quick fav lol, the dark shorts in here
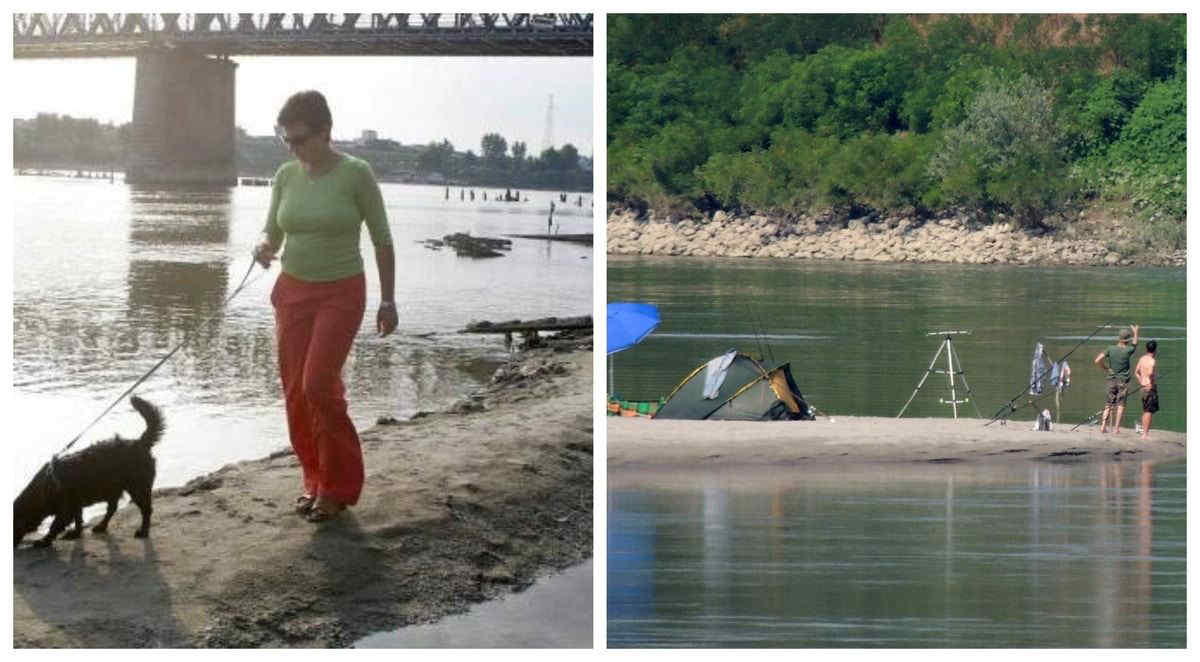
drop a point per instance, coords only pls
(1117, 392)
(1150, 401)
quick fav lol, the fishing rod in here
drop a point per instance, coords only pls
(1008, 408)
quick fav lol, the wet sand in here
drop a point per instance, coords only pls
(640, 443)
(459, 507)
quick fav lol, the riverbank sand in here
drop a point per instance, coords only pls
(459, 507)
(635, 443)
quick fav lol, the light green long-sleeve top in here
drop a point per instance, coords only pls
(321, 219)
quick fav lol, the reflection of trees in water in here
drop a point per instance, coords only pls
(1063, 555)
(82, 349)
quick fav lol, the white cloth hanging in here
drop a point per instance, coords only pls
(714, 374)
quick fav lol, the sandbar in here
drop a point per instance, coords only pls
(638, 442)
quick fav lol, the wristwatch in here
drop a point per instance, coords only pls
(387, 304)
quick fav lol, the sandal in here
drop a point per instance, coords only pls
(304, 504)
(320, 514)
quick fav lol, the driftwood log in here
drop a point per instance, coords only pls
(585, 238)
(529, 328)
(465, 245)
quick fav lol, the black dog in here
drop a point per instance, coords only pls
(101, 472)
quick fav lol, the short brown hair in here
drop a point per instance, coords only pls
(308, 107)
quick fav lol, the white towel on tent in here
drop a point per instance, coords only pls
(714, 374)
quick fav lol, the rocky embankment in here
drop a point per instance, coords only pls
(951, 240)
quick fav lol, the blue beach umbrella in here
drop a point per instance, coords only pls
(628, 324)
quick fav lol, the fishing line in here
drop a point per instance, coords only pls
(246, 280)
(754, 324)
(763, 336)
(1008, 409)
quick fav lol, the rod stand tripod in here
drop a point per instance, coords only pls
(953, 370)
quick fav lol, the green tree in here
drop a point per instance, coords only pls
(437, 157)
(1007, 154)
(518, 157)
(1152, 152)
(494, 147)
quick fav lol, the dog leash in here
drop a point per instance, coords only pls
(186, 339)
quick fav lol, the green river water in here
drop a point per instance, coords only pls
(855, 333)
(1021, 554)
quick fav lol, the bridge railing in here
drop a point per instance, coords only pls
(47, 26)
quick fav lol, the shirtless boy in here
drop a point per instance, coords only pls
(1146, 373)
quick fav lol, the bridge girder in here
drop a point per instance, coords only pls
(77, 35)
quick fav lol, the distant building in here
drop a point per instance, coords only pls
(368, 137)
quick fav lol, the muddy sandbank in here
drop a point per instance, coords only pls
(459, 507)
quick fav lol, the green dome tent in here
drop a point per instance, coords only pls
(745, 392)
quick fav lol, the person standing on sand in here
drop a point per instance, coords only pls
(1146, 373)
(319, 203)
(1117, 375)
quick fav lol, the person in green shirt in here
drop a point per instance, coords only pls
(319, 203)
(1115, 362)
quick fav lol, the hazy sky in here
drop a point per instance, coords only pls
(409, 99)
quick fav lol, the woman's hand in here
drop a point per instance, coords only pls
(387, 318)
(264, 253)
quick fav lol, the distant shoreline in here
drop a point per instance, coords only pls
(95, 172)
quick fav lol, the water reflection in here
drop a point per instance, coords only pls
(107, 279)
(1031, 556)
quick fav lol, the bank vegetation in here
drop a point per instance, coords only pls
(1034, 121)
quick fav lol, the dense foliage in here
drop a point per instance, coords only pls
(1026, 116)
(65, 142)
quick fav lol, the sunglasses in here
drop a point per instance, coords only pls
(291, 141)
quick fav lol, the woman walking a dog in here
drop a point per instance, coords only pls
(319, 202)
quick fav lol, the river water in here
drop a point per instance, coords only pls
(108, 278)
(855, 333)
(1020, 555)
(1033, 555)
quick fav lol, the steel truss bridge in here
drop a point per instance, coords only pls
(125, 35)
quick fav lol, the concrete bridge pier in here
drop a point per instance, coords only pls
(183, 120)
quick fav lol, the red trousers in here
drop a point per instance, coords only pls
(315, 325)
